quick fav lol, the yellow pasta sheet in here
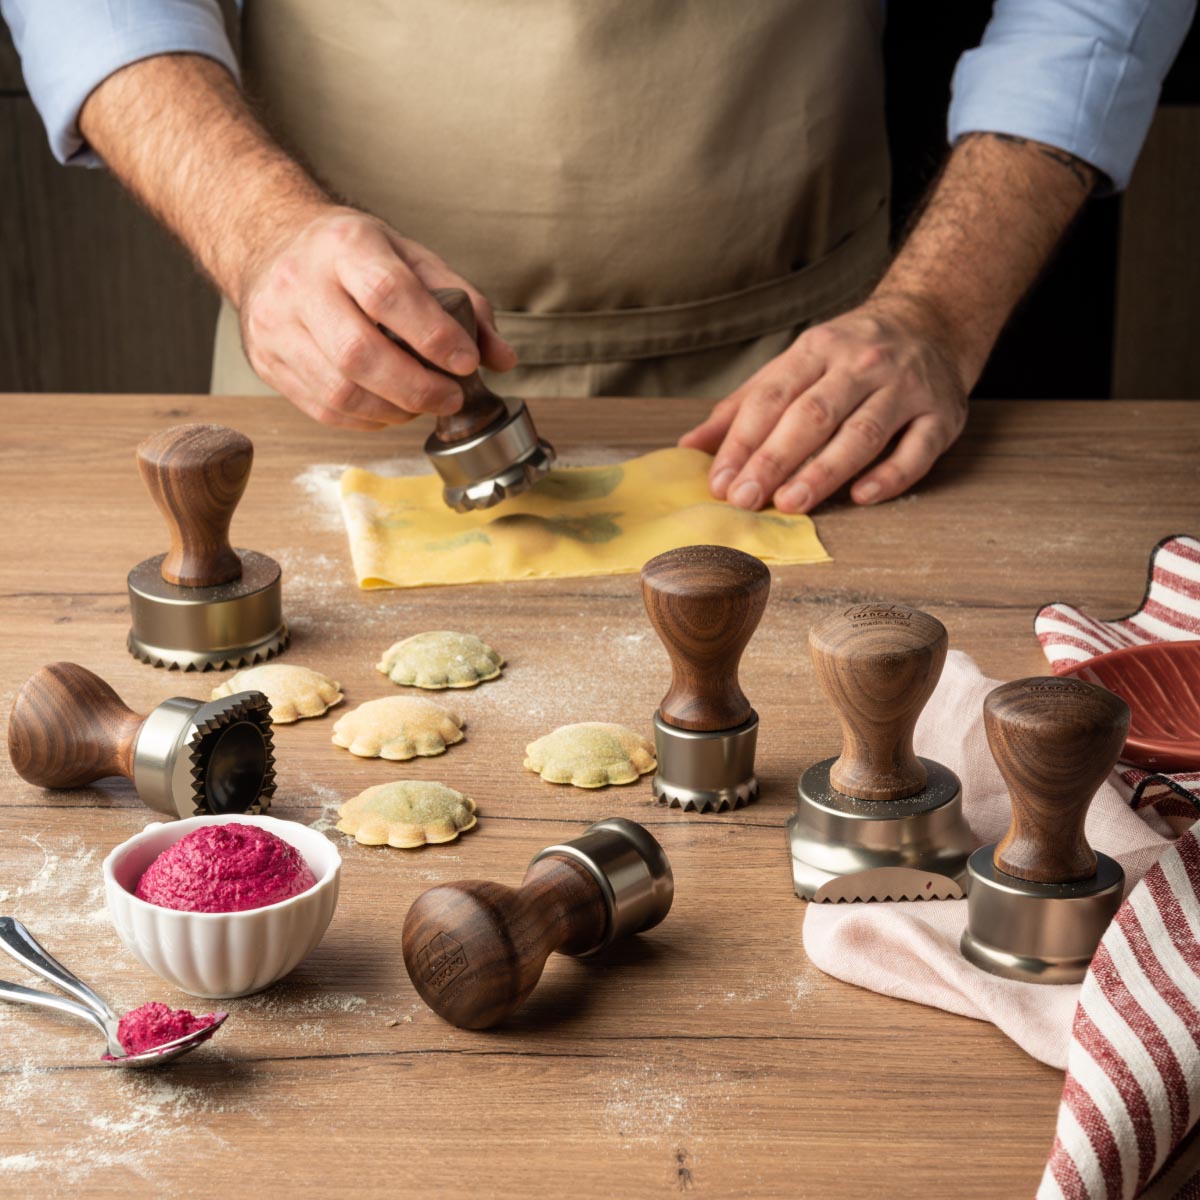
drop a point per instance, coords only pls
(605, 520)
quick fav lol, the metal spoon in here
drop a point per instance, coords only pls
(17, 942)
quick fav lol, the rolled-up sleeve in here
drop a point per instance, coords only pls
(1082, 75)
(69, 47)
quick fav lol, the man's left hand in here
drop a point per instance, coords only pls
(830, 405)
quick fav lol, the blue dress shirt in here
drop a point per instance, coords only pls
(1082, 75)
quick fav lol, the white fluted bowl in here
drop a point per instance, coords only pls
(221, 955)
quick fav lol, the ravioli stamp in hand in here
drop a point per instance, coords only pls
(592, 754)
(441, 659)
(407, 814)
(294, 692)
(398, 728)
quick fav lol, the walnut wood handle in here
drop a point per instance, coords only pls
(1055, 741)
(197, 474)
(475, 950)
(69, 728)
(878, 664)
(481, 406)
(705, 603)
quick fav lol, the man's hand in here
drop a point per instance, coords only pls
(900, 365)
(312, 280)
(828, 407)
(310, 308)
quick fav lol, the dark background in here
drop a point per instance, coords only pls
(93, 297)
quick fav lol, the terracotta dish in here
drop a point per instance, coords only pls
(1161, 684)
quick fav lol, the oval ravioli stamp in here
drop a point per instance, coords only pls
(441, 659)
(294, 692)
(592, 754)
(407, 814)
(398, 728)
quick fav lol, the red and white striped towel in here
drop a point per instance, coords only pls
(1169, 611)
(1132, 1093)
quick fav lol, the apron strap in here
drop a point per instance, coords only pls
(814, 292)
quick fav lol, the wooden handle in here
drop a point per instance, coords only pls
(69, 728)
(197, 474)
(705, 603)
(475, 950)
(1055, 741)
(878, 664)
(481, 406)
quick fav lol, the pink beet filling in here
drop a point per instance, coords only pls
(155, 1025)
(225, 868)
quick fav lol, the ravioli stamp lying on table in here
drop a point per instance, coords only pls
(441, 659)
(592, 754)
(398, 728)
(407, 814)
(294, 692)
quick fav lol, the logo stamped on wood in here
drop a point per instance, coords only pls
(879, 614)
(440, 960)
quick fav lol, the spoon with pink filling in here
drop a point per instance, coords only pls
(147, 1036)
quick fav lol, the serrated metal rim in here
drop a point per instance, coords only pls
(716, 804)
(252, 706)
(238, 657)
(944, 888)
(514, 480)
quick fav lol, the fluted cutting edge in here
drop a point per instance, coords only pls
(512, 481)
(888, 883)
(190, 660)
(243, 706)
(712, 803)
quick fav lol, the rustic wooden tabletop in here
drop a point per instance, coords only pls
(708, 1056)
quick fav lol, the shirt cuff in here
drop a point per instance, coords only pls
(1091, 99)
(61, 72)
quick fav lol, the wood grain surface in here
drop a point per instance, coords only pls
(68, 728)
(475, 949)
(1055, 741)
(878, 664)
(707, 1057)
(196, 475)
(705, 602)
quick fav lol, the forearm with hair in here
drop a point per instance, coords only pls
(991, 221)
(177, 132)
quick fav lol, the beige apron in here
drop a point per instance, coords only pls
(656, 195)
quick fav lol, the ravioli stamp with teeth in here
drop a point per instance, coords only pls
(202, 605)
(187, 758)
(877, 822)
(488, 450)
(705, 603)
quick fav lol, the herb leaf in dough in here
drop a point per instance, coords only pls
(441, 659)
(407, 814)
(398, 728)
(294, 692)
(592, 754)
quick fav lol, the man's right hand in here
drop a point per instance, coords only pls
(310, 310)
(313, 280)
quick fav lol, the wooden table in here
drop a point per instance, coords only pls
(707, 1057)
